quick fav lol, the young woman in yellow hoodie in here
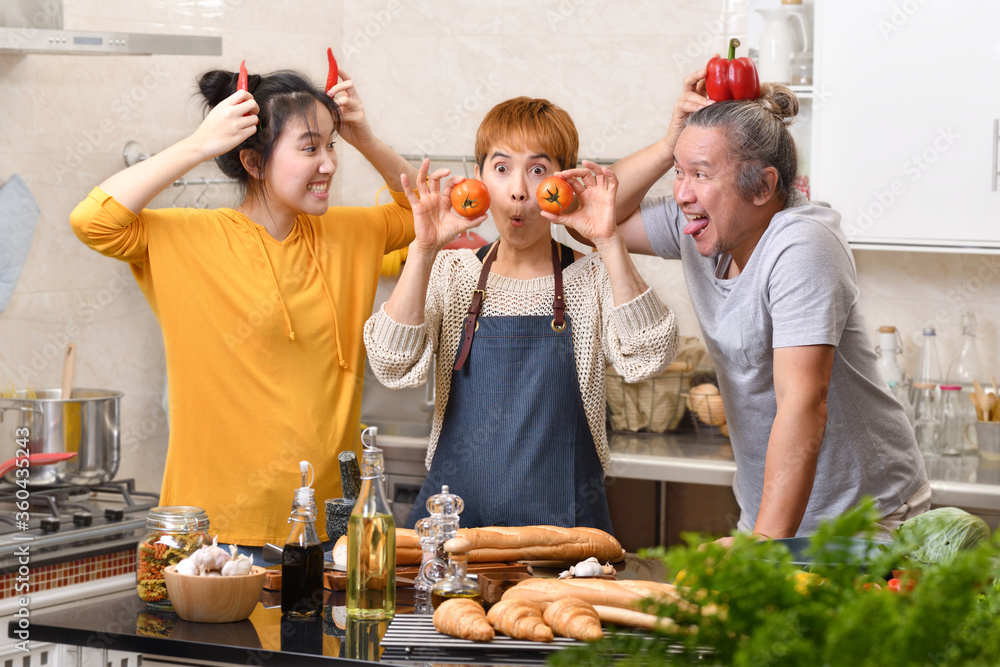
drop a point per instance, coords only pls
(261, 305)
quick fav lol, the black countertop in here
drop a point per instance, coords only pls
(125, 623)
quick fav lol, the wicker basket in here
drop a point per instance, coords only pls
(655, 404)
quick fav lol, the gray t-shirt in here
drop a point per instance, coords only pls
(799, 287)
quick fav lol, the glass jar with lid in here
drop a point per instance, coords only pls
(172, 534)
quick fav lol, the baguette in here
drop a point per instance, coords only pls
(634, 619)
(506, 544)
(463, 618)
(623, 594)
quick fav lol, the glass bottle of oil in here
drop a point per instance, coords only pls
(302, 555)
(371, 542)
(456, 583)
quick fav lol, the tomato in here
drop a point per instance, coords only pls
(470, 198)
(897, 585)
(554, 194)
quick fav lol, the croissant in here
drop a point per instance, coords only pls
(574, 618)
(520, 619)
(463, 618)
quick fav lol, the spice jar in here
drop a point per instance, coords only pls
(172, 534)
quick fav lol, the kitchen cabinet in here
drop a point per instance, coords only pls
(803, 128)
(906, 114)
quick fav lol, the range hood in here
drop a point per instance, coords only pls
(36, 26)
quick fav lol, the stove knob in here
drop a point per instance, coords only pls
(114, 514)
(50, 524)
(81, 519)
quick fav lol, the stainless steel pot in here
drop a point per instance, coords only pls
(87, 423)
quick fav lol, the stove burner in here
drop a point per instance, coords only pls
(105, 517)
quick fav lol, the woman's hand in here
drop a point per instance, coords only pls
(354, 127)
(434, 222)
(595, 188)
(226, 126)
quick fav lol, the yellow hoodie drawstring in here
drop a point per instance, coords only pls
(329, 301)
(274, 280)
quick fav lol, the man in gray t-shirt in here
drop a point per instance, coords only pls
(772, 280)
(798, 288)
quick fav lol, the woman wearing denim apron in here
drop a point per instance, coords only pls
(522, 330)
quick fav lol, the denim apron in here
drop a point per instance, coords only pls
(515, 443)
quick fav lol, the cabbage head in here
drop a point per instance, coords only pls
(942, 532)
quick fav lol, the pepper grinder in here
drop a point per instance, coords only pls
(443, 509)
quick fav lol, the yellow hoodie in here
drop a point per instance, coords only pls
(265, 359)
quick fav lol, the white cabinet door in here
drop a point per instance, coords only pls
(909, 91)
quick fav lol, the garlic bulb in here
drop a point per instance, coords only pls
(186, 566)
(587, 568)
(238, 564)
(210, 558)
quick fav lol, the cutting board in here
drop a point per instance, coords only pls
(335, 580)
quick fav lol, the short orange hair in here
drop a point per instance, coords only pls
(525, 121)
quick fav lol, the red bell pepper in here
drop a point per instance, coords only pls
(733, 78)
(241, 82)
(331, 77)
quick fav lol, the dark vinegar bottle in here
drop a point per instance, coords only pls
(302, 557)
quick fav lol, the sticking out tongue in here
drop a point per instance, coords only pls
(695, 226)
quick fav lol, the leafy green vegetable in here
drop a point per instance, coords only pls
(942, 532)
(757, 608)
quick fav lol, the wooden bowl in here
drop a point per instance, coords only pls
(214, 599)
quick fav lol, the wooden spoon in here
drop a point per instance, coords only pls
(991, 413)
(981, 397)
(979, 409)
(69, 366)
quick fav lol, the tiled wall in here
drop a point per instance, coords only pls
(427, 72)
(75, 572)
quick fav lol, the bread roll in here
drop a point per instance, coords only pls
(573, 618)
(463, 618)
(520, 619)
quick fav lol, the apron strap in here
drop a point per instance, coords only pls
(558, 303)
(477, 301)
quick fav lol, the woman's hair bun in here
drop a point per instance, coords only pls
(779, 100)
(216, 85)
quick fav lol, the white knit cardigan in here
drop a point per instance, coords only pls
(639, 337)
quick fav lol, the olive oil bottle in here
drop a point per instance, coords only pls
(371, 543)
(456, 584)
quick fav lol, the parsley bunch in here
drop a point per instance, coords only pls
(753, 606)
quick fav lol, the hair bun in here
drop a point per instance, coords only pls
(779, 100)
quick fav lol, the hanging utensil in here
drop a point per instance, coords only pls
(69, 367)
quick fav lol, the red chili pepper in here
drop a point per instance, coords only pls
(241, 83)
(331, 77)
(732, 78)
